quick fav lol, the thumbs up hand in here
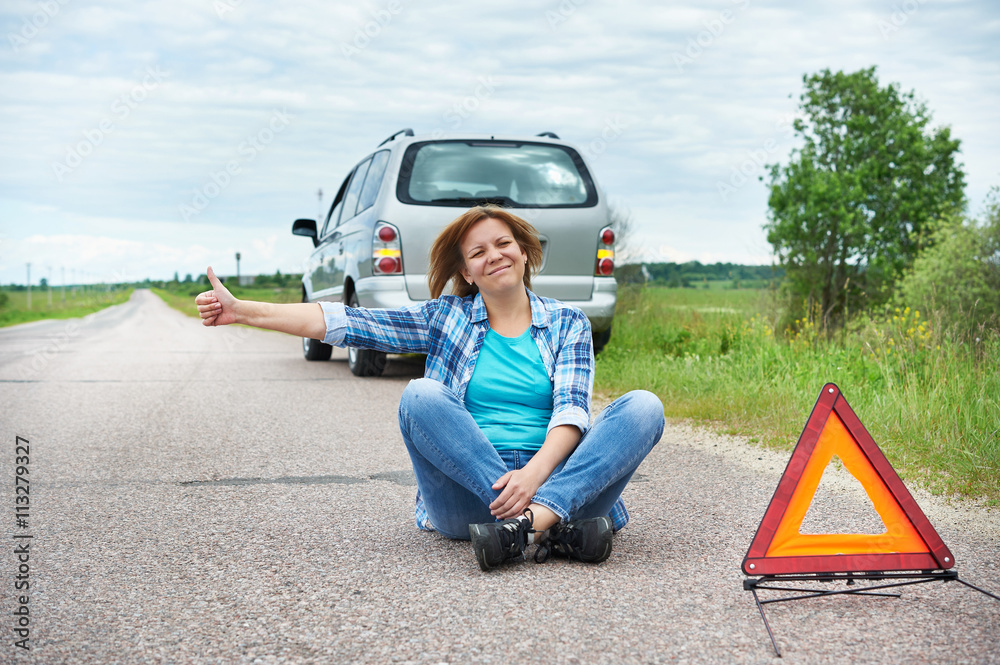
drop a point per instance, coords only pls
(218, 306)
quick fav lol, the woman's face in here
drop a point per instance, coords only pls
(493, 260)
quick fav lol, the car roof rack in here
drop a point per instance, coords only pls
(404, 132)
(551, 135)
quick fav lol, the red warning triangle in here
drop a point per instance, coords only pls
(909, 541)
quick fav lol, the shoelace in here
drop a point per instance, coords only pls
(514, 535)
(561, 540)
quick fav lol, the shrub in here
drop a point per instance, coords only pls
(958, 275)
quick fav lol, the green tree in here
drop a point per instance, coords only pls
(859, 199)
(958, 276)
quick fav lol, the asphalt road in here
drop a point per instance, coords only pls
(209, 496)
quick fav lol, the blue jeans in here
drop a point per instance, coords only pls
(456, 466)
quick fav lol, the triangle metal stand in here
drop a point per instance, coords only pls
(765, 582)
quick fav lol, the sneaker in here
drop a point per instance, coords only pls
(584, 540)
(497, 542)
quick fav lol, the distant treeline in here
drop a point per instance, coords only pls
(277, 280)
(690, 274)
(694, 273)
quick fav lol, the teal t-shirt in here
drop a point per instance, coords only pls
(510, 394)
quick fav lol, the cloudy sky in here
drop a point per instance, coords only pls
(120, 118)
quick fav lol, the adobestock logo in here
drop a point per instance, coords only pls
(121, 108)
(31, 26)
(756, 160)
(561, 14)
(223, 7)
(248, 149)
(55, 345)
(612, 131)
(714, 28)
(899, 17)
(366, 32)
(464, 108)
(461, 110)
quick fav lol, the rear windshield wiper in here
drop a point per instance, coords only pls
(476, 200)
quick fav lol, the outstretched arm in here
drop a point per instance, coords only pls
(218, 307)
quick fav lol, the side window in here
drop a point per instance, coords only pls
(354, 191)
(334, 215)
(375, 172)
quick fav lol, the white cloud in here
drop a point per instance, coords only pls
(564, 67)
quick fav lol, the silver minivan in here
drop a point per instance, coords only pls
(372, 248)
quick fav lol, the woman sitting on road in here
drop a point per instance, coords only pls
(499, 429)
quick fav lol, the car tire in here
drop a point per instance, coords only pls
(601, 339)
(313, 349)
(364, 362)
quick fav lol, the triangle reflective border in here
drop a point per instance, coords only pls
(909, 541)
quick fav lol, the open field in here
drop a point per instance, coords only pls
(181, 296)
(930, 400)
(78, 302)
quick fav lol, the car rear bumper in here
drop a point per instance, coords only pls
(600, 309)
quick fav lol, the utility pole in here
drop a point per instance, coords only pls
(29, 286)
(319, 209)
(237, 268)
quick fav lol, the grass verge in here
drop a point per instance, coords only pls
(181, 297)
(930, 399)
(14, 308)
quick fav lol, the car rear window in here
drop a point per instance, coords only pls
(515, 174)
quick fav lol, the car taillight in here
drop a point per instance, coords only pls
(386, 233)
(605, 253)
(388, 265)
(387, 251)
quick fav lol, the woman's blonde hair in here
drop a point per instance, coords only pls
(447, 261)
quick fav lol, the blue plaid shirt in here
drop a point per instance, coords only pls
(451, 330)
